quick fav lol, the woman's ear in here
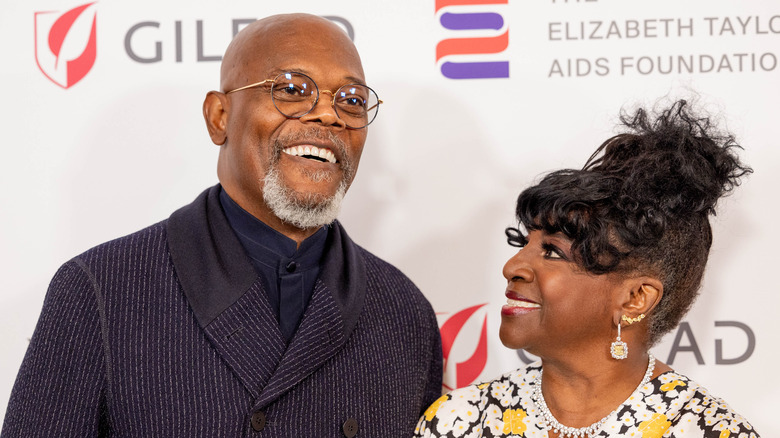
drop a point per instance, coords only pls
(215, 113)
(644, 294)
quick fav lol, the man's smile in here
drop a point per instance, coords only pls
(311, 152)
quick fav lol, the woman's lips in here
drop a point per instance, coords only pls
(517, 305)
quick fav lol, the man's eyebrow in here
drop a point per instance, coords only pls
(347, 79)
(355, 80)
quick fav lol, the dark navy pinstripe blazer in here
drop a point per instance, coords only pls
(167, 333)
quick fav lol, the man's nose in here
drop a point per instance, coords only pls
(324, 112)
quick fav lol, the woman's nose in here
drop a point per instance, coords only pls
(518, 269)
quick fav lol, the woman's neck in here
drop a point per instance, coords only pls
(579, 393)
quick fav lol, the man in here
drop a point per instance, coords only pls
(249, 312)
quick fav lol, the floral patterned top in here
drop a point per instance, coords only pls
(670, 405)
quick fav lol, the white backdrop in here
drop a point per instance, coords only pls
(126, 145)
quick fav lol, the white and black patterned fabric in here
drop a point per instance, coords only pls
(671, 405)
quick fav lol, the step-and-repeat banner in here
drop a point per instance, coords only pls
(102, 134)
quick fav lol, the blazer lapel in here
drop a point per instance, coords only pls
(247, 337)
(223, 290)
(228, 300)
(329, 319)
(320, 335)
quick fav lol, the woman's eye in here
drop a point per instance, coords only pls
(552, 252)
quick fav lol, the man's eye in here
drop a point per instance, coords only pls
(353, 106)
(353, 103)
(290, 90)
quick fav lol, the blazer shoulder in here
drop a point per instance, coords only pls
(378, 267)
(146, 242)
(388, 284)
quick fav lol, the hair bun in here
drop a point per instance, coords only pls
(674, 163)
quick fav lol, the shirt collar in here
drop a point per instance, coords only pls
(214, 270)
(269, 246)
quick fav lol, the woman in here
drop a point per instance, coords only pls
(611, 259)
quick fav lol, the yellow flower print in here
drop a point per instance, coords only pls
(725, 434)
(484, 385)
(654, 427)
(434, 407)
(671, 385)
(513, 421)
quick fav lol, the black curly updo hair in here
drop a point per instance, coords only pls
(642, 203)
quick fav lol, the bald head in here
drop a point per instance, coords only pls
(265, 161)
(265, 42)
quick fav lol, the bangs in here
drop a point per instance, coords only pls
(565, 201)
(577, 204)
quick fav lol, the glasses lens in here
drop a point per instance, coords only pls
(356, 104)
(294, 94)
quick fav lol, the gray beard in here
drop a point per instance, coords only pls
(301, 210)
(304, 210)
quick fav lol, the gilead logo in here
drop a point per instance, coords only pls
(460, 373)
(484, 33)
(66, 44)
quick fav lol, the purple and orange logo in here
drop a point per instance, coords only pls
(488, 23)
(66, 44)
(464, 372)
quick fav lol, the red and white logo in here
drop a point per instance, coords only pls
(66, 44)
(458, 337)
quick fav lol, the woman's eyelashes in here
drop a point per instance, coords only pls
(553, 252)
(515, 238)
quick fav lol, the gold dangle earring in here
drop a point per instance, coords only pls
(619, 349)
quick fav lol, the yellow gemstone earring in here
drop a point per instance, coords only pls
(619, 349)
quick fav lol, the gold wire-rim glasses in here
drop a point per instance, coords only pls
(368, 116)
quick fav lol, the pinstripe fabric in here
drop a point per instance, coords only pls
(119, 351)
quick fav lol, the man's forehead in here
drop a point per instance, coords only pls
(296, 42)
(293, 67)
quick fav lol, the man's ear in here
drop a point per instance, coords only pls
(644, 294)
(215, 113)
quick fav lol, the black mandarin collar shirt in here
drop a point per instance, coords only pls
(288, 271)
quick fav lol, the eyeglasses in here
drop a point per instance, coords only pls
(295, 95)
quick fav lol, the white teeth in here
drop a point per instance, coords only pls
(524, 304)
(299, 151)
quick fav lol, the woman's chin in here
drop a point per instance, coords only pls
(509, 338)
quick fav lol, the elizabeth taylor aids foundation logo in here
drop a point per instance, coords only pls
(66, 43)
(477, 48)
